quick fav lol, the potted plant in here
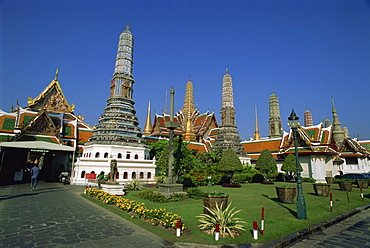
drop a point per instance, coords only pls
(345, 184)
(321, 189)
(286, 194)
(329, 180)
(362, 183)
(210, 200)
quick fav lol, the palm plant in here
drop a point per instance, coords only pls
(228, 223)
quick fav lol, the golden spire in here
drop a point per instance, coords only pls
(189, 134)
(56, 75)
(148, 124)
(189, 101)
(256, 132)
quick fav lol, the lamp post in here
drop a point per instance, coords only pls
(301, 204)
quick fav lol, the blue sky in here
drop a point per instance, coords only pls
(305, 51)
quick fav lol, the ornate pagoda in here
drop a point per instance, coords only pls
(118, 136)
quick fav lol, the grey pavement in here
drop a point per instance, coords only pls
(55, 215)
(351, 232)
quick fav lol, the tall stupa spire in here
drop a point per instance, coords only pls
(122, 81)
(228, 136)
(275, 125)
(308, 118)
(118, 125)
(188, 110)
(338, 132)
(256, 132)
(148, 123)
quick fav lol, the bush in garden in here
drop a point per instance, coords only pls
(151, 196)
(194, 193)
(228, 223)
(186, 181)
(258, 178)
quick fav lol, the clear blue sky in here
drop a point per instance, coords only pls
(305, 51)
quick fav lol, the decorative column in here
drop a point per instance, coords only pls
(170, 186)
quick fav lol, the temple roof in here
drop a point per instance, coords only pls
(51, 99)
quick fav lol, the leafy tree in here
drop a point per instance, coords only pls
(156, 148)
(266, 164)
(229, 163)
(184, 159)
(289, 165)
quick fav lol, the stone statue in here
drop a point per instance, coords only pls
(113, 171)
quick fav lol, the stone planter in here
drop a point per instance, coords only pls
(210, 201)
(329, 180)
(345, 185)
(286, 194)
(113, 189)
(362, 183)
(321, 189)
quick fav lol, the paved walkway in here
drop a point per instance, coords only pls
(54, 215)
(351, 232)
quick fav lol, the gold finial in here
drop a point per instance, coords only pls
(227, 71)
(56, 75)
(128, 27)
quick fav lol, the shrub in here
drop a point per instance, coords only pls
(231, 185)
(186, 181)
(228, 223)
(151, 196)
(258, 178)
(177, 197)
(133, 185)
(308, 180)
(194, 193)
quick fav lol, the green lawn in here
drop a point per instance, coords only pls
(280, 219)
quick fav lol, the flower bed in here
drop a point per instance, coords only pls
(137, 209)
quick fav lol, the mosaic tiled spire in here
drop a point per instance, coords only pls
(228, 136)
(274, 119)
(118, 125)
(308, 118)
(256, 132)
(188, 110)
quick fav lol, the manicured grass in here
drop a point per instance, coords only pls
(280, 219)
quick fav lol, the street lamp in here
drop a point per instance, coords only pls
(301, 204)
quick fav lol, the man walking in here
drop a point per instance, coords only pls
(35, 171)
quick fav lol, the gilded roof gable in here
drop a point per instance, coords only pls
(51, 99)
(41, 124)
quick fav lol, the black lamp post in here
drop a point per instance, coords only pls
(301, 204)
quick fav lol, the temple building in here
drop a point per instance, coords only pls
(118, 136)
(46, 132)
(323, 151)
(199, 130)
(228, 136)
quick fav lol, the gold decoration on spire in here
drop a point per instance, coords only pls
(256, 132)
(148, 124)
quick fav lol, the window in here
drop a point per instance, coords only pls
(128, 156)
(149, 175)
(141, 175)
(119, 155)
(106, 155)
(351, 160)
(136, 156)
(97, 155)
(117, 175)
(125, 175)
(83, 174)
(133, 175)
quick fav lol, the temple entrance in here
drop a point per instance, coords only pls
(15, 164)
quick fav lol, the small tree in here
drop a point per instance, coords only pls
(289, 166)
(229, 163)
(266, 164)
